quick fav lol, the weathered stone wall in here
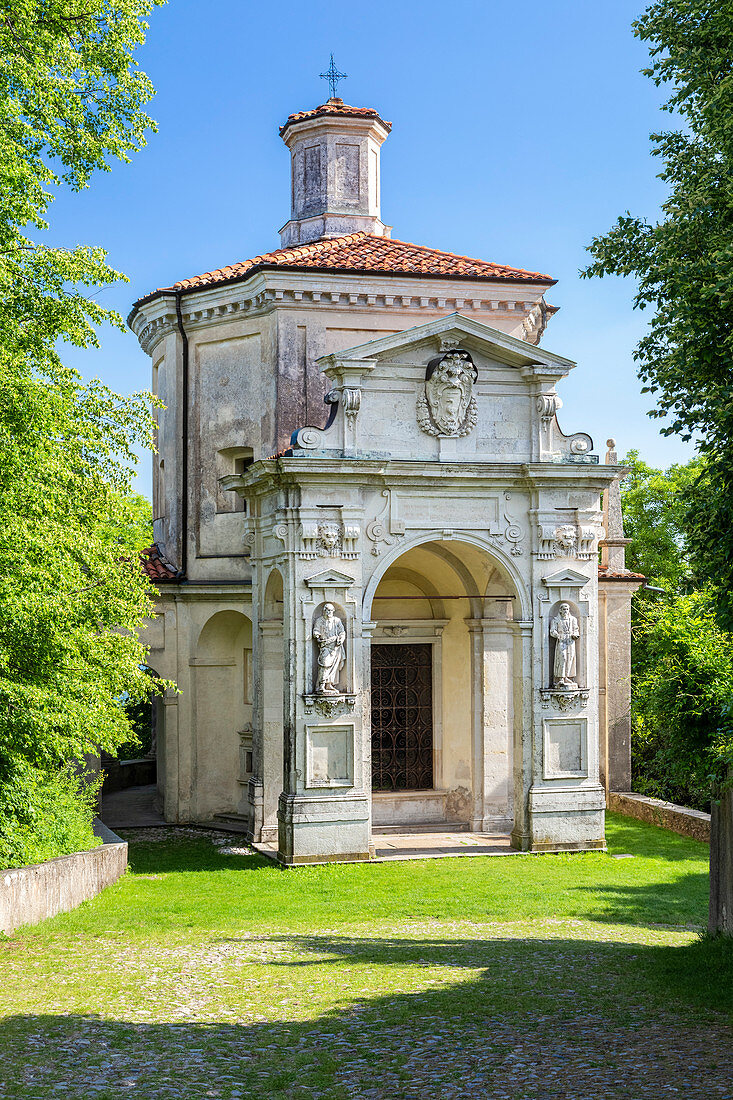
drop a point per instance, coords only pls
(667, 815)
(30, 894)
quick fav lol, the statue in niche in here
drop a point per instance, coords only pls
(564, 629)
(448, 406)
(330, 635)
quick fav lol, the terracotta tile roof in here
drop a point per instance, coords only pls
(362, 253)
(157, 568)
(625, 575)
(340, 109)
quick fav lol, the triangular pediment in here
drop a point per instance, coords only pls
(566, 578)
(470, 333)
(330, 578)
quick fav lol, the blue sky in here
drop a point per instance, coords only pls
(519, 133)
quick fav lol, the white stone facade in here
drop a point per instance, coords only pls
(441, 511)
(460, 522)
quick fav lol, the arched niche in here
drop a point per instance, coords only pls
(273, 598)
(222, 704)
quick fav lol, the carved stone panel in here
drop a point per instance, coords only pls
(565, 754)
(330, 756)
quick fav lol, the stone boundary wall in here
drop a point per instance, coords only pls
(679, 819)
(30, 894)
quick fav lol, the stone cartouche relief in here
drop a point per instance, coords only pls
(330, 636)
(512, 533)
(564, 701)
(329, 705)
(381, 530)
(447, 406)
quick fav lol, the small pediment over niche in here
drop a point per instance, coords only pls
(566, 578)
(330, 578)
(452, 329)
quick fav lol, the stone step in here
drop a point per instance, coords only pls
(235, 823)
(423, 827)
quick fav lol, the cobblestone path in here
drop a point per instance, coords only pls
(532, 1010)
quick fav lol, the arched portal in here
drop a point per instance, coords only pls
(445, 672)
(222, 701)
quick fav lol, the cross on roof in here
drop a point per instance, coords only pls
(332, 75)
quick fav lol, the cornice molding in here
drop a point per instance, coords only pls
(157, 319)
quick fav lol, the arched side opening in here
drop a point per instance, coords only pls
(222, 712)
(443, 688)
(135, 763)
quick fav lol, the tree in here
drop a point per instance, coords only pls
(655, 514)
(683, 263)
(675, 637)
(71, 590)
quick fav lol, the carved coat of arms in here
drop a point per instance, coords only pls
(447, 405)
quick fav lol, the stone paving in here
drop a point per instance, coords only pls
(131, 808)
(426, 1009)
(421, 844)
(135, 808)
(421, 1010)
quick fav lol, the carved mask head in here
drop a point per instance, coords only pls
(565, 536)
(329, 536)
(448, 391)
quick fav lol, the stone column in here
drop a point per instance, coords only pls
(183, 782)
(523, 743)
(492, 659)
(269, 771)
(614, 614)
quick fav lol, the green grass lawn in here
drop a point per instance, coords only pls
(522, 977)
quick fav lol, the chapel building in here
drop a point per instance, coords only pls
(376, 552)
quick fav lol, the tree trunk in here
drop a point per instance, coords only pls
(721, 867)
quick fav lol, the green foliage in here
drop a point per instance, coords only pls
(654, 510)
(681, 659)
(44, 813)
(684, 262)
(683, 727)
(71, 591)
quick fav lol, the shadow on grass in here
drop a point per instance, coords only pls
(626, 834)
(541, 1019)
(665, 903)
(190, 854)
(697, 975)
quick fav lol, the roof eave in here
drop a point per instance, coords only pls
(382, 273)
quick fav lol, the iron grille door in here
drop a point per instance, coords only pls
(402, 717)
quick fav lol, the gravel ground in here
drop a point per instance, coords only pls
(532, 1010)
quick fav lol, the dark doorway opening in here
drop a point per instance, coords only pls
(402, 717)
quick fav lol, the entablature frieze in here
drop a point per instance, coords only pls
(265, 292)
